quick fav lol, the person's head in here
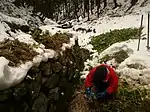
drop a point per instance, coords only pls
(100, 75)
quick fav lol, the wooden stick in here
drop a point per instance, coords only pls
(140, 29)
(148, 33)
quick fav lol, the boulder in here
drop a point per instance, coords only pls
(25, 28)
(32, 72)
(63, 60)
(40, 104)
(52, 81)
(5, 95)
(24, 107)
(64, 71)
(61, 104)
(35, 86)
(69, 92)
(21, 106)
(71, 73)
(46, 68)
(52, 108)
(54, 94)
(56, 67)
(63, 83)
(20, 91)
(7, 107)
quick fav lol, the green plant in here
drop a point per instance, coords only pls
(103, 41)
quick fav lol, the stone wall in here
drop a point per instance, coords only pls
(48, 87)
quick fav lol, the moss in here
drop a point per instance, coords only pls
(16, 52)
(106, 58)
(103, 41)
(51, 42)
(119, 56)
(136, 66)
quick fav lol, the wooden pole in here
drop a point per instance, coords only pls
(148, 33)
(140, 29)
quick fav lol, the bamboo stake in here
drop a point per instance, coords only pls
(140, 29)
(148, 33)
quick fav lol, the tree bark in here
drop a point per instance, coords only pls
(88, 10)
(92, 6)
(105, 3)
(98, 6)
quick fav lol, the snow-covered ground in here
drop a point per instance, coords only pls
(12, 75)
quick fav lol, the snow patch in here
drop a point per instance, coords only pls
(26, 38)
(11, 76)
(134, 76)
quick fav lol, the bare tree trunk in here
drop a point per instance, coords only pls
(84, 7)
(76, 8)
(92, 6)
(105, 3)
(66, 7)
(88, 10)
(98, 6)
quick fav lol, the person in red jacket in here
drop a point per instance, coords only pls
(104, 80)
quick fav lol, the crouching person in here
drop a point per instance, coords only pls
(104, 80)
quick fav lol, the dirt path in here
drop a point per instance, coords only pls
(80, 104)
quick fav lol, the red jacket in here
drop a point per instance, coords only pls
(111, 77)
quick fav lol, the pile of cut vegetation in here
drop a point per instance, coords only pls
(16, 52)
(54, 42)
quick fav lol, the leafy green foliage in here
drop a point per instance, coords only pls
(103, 41)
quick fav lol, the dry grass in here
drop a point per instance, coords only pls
(126, 100)
(16, 52)
(79, 103)
(51, 42)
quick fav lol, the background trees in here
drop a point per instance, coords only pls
(65, 8)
